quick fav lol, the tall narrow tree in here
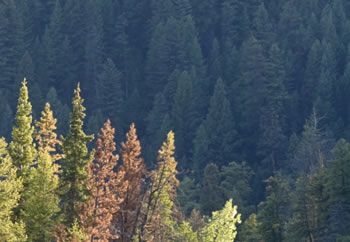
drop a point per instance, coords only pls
(107, 187)
(74, 175)
(134, 172)
(160, 224)
(21, 149)
(46, 136)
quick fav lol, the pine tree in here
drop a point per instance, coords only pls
(106, 189)
(46, 136)
(235, 183)
(72, 188)
(338, 191)
(40, 199)
(182, 113)
(222, 225)
(10, 189)
(111, 96)
(134, 175)
(211, 197)
(270, 216)
(262, 27)
(311, 78)
(9, 29)
(160, 222)
(61, 110)
(220, 128)
(303, 224)
(251, 86)
(22, 149)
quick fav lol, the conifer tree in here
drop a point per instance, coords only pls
(182, 112)
(61, 110)
(222, 225)
(46, 136)
(106, 189)
(220, 129)
(111, 95)
(40, 200)
(21, 149)
(134, 175)
(72, 188)
(211, 197)
(160, 224)
(303, 223)
(10, 189)
(271, 226)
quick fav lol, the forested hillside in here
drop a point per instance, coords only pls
(257, 94)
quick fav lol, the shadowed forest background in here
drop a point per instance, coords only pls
(256, 92)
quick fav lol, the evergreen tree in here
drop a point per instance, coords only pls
(10, 28)
(72, 188)
(302, 225)
(160, 223)
(6, 118)
(251, 86)
(311, 78)
(337, 187)
(40, 199)
(22, 149)
(61, 110)
(110, 100)
(220, 128)
(272, 140)
(46, 136)
(262, 27)
(25, 69)
(182, 111)
(106, 189)
(270, 216)
(249, 231)
(200, 148)
(236, 179)
(154, 121)
(222, 225)
(10, 189)
(128, 217)
(211, 197)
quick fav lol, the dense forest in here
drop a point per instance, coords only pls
(254, 95)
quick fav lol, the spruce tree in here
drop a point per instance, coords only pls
(72, 188)
(10, 190)
(22, 149)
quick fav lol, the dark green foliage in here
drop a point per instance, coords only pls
(235, 80)
(236, 180)
(271, 216)
(211, 195)
(72, 188)
(220, 130)
(110, 95)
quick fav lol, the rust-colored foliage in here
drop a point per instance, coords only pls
(134, 170)
(107, 188)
